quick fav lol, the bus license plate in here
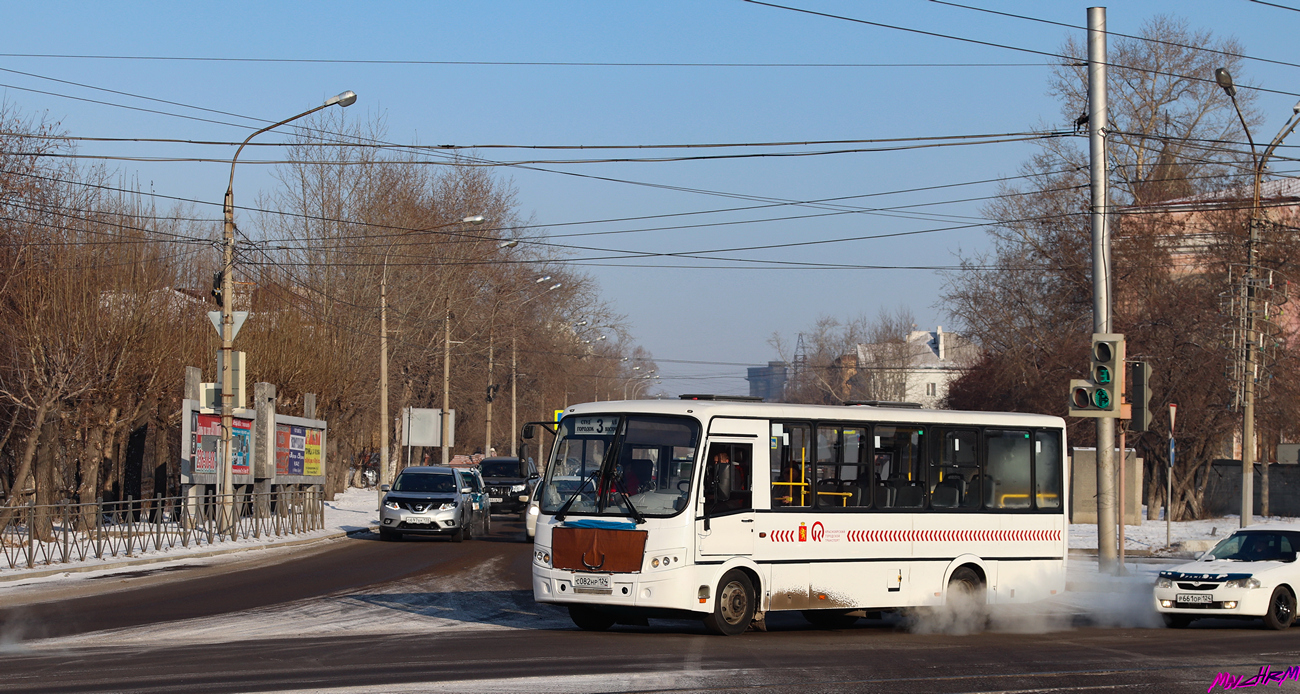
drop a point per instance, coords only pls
(590, 583)
(1194, 597)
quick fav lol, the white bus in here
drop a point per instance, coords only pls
(723, 509)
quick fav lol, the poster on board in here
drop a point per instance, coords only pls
(311, 464)
(205, 440)
(290, 446)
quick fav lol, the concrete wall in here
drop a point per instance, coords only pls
(1223, 490)
(1083, 487)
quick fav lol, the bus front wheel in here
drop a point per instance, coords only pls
(733, 606)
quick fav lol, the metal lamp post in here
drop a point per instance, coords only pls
(514, 368)
(383, 364)
(227, 316)
(1251, 341)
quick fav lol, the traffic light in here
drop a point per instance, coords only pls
(1108, 371)
(216, 287)
(1099, 395)
(1140, 396)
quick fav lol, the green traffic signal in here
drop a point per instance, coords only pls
(1101, 398)
(1102, 375)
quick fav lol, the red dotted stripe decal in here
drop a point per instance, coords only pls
(933, 535)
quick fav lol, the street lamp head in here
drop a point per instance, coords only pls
(474, 219)
(579, 324)
(1296, 109)
(345, 99)
(1224, 78)
(539, 280)
(557, 285)
(508, 244)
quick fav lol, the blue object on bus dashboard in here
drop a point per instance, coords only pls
(602, 524)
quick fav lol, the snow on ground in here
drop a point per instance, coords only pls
(351, 511)
(1150, 535)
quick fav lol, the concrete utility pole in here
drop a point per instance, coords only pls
(514, 399)
(383, 380)
(487, 438)
(228, 316)
(1253, 341)
(1098, 118)
(446, 383)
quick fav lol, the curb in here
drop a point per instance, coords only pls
(68, 568)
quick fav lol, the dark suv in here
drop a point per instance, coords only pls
(510, 483)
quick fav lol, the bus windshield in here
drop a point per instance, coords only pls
(603, 462)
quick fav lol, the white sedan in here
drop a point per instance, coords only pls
(1251, 574)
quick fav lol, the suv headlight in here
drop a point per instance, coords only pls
(518, 487)
(392, 505)
(1164, 582)
(447, 506)
(1248, 582)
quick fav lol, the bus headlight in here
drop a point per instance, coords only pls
(542, 557)
(533, 511)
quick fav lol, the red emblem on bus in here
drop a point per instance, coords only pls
(818, 531)
(803, 532)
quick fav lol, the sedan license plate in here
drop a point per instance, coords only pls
(413, 520)
(496, 499)
(592, 583)
(1194, 597)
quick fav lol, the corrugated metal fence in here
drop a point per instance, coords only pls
(32, 535)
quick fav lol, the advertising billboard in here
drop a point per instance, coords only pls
(297, 450)
(205, 442)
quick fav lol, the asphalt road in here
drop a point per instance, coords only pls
(367, 616)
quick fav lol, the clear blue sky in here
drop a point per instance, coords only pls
(713, 315)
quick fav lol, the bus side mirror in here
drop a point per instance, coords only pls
(528, 431)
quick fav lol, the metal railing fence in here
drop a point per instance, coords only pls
(34, 535)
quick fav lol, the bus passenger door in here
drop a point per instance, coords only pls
(724, 522)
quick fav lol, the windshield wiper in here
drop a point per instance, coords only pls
(559, 515)
(622, 489)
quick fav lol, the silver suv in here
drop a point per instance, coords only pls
(426, 501)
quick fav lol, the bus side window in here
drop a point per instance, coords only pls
(841, 478)
(954, 469)
(1007, 466)
(727, 478)
(900, 473)
(791, 467)
(1047, 469)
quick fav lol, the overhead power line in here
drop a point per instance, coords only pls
(992, 44)
(1066, 25)
(500, 63)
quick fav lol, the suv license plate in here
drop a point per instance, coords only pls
(496, 499)
(1194, 597)
(592, 583)
(418, 520)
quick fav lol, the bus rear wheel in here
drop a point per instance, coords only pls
(965, 587)
(733, 606)
(589, 618)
